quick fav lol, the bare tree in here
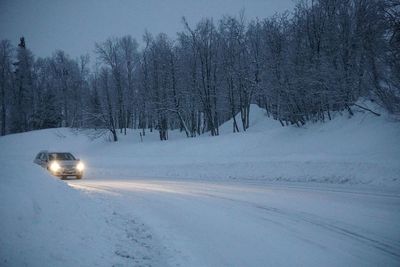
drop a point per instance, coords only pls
(204, 40)
(110, 54)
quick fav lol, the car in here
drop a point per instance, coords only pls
(60, 164)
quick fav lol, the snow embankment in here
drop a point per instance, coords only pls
(362, 149)
(44, 222)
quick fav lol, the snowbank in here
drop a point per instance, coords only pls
(363, 149)
(44, 222)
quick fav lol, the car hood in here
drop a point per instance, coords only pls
(68, 162)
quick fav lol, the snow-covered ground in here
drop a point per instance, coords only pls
(205, 223)
(327, 194)
(362, 150)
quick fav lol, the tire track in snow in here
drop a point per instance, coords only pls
(389, 247)
(384, 246)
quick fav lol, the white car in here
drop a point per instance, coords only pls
(61, 164)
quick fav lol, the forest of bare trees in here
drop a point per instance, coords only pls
(299, 66)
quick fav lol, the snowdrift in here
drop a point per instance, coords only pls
(44, 222)
(363, 149)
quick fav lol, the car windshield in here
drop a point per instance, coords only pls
(61, 156)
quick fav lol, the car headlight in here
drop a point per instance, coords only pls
(80, 166)
(54, 167)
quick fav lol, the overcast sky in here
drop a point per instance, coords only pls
(74, 26)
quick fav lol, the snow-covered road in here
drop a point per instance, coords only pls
(204, 223)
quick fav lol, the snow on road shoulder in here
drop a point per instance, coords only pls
(46, 222)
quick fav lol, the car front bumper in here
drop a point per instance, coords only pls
(67, 171)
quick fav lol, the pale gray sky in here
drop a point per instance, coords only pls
(74, 26)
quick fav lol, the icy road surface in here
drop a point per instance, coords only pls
(203, 223)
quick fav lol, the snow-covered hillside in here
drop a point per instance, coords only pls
(44, 220)
(363, 149)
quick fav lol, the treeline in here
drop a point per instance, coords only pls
(299, 66)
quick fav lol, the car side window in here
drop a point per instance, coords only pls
(43, 157)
